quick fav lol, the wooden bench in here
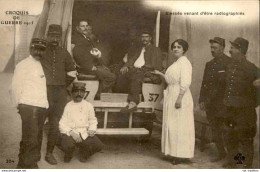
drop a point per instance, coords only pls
(107, 107)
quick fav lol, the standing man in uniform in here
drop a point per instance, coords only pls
(29, 93)
(56, 63)
(241, 100)
(212, 93)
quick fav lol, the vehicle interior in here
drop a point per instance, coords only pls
(111, 23)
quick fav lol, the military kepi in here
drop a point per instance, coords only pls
(241, 43)
(218, 40)
(39, 43)
(79, 86)
(55, 29)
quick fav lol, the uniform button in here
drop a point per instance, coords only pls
(228, 96)
(231, 80)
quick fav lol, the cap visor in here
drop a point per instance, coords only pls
(233, 43)
(212, 40)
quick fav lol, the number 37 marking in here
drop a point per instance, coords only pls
(87, 93)
(153, 97)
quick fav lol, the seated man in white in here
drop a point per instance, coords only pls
(78, 126)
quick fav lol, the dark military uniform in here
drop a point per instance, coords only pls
(56, 63)
(86, 61)
(212, 93)
(241, 99)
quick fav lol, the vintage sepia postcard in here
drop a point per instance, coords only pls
(129, 84)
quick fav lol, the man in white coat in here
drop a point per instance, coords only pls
(78, 126)
(29, 94)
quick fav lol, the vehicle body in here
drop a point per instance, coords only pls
(117, 22)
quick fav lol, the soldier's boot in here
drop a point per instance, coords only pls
(50, 159)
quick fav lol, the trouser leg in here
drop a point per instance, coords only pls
(216, 125)
(232, 142)
(247, 148)
(68, 145)
(136, 79)
(122, 84)
(106, 77)
(246, 131)
(40, 132)
(57, 101)
(242, 126)
(90, 146)
(29, 145)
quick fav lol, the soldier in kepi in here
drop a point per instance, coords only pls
(56, 63)
(212, 93)
(78, 126)
(240, 100)
(29, 93)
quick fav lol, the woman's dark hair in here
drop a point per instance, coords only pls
(183, 43)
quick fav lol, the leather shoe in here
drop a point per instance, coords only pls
(176, 162)
(131, 107)
(82, 159)
(50, 159)
(67, 158)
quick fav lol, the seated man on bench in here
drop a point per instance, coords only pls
(78, 126)
(89, 57)
(146, 59)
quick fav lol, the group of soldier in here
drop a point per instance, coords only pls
(227, 93)
(229, 96)
(40, 82)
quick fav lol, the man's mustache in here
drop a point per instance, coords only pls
(38, 54)
(54, 43)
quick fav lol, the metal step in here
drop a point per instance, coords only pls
(122, 131)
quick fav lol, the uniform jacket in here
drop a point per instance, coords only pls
(240, 91)
(56, 63)
(78, 117)
(152, 57)
(213, 84)
(29, 84)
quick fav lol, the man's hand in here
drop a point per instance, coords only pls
(75, 136)
(91, 133)
(96, 52)
(202, 106)
(256, 83)
(94, 68)
(157, 72)
(124, 70)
